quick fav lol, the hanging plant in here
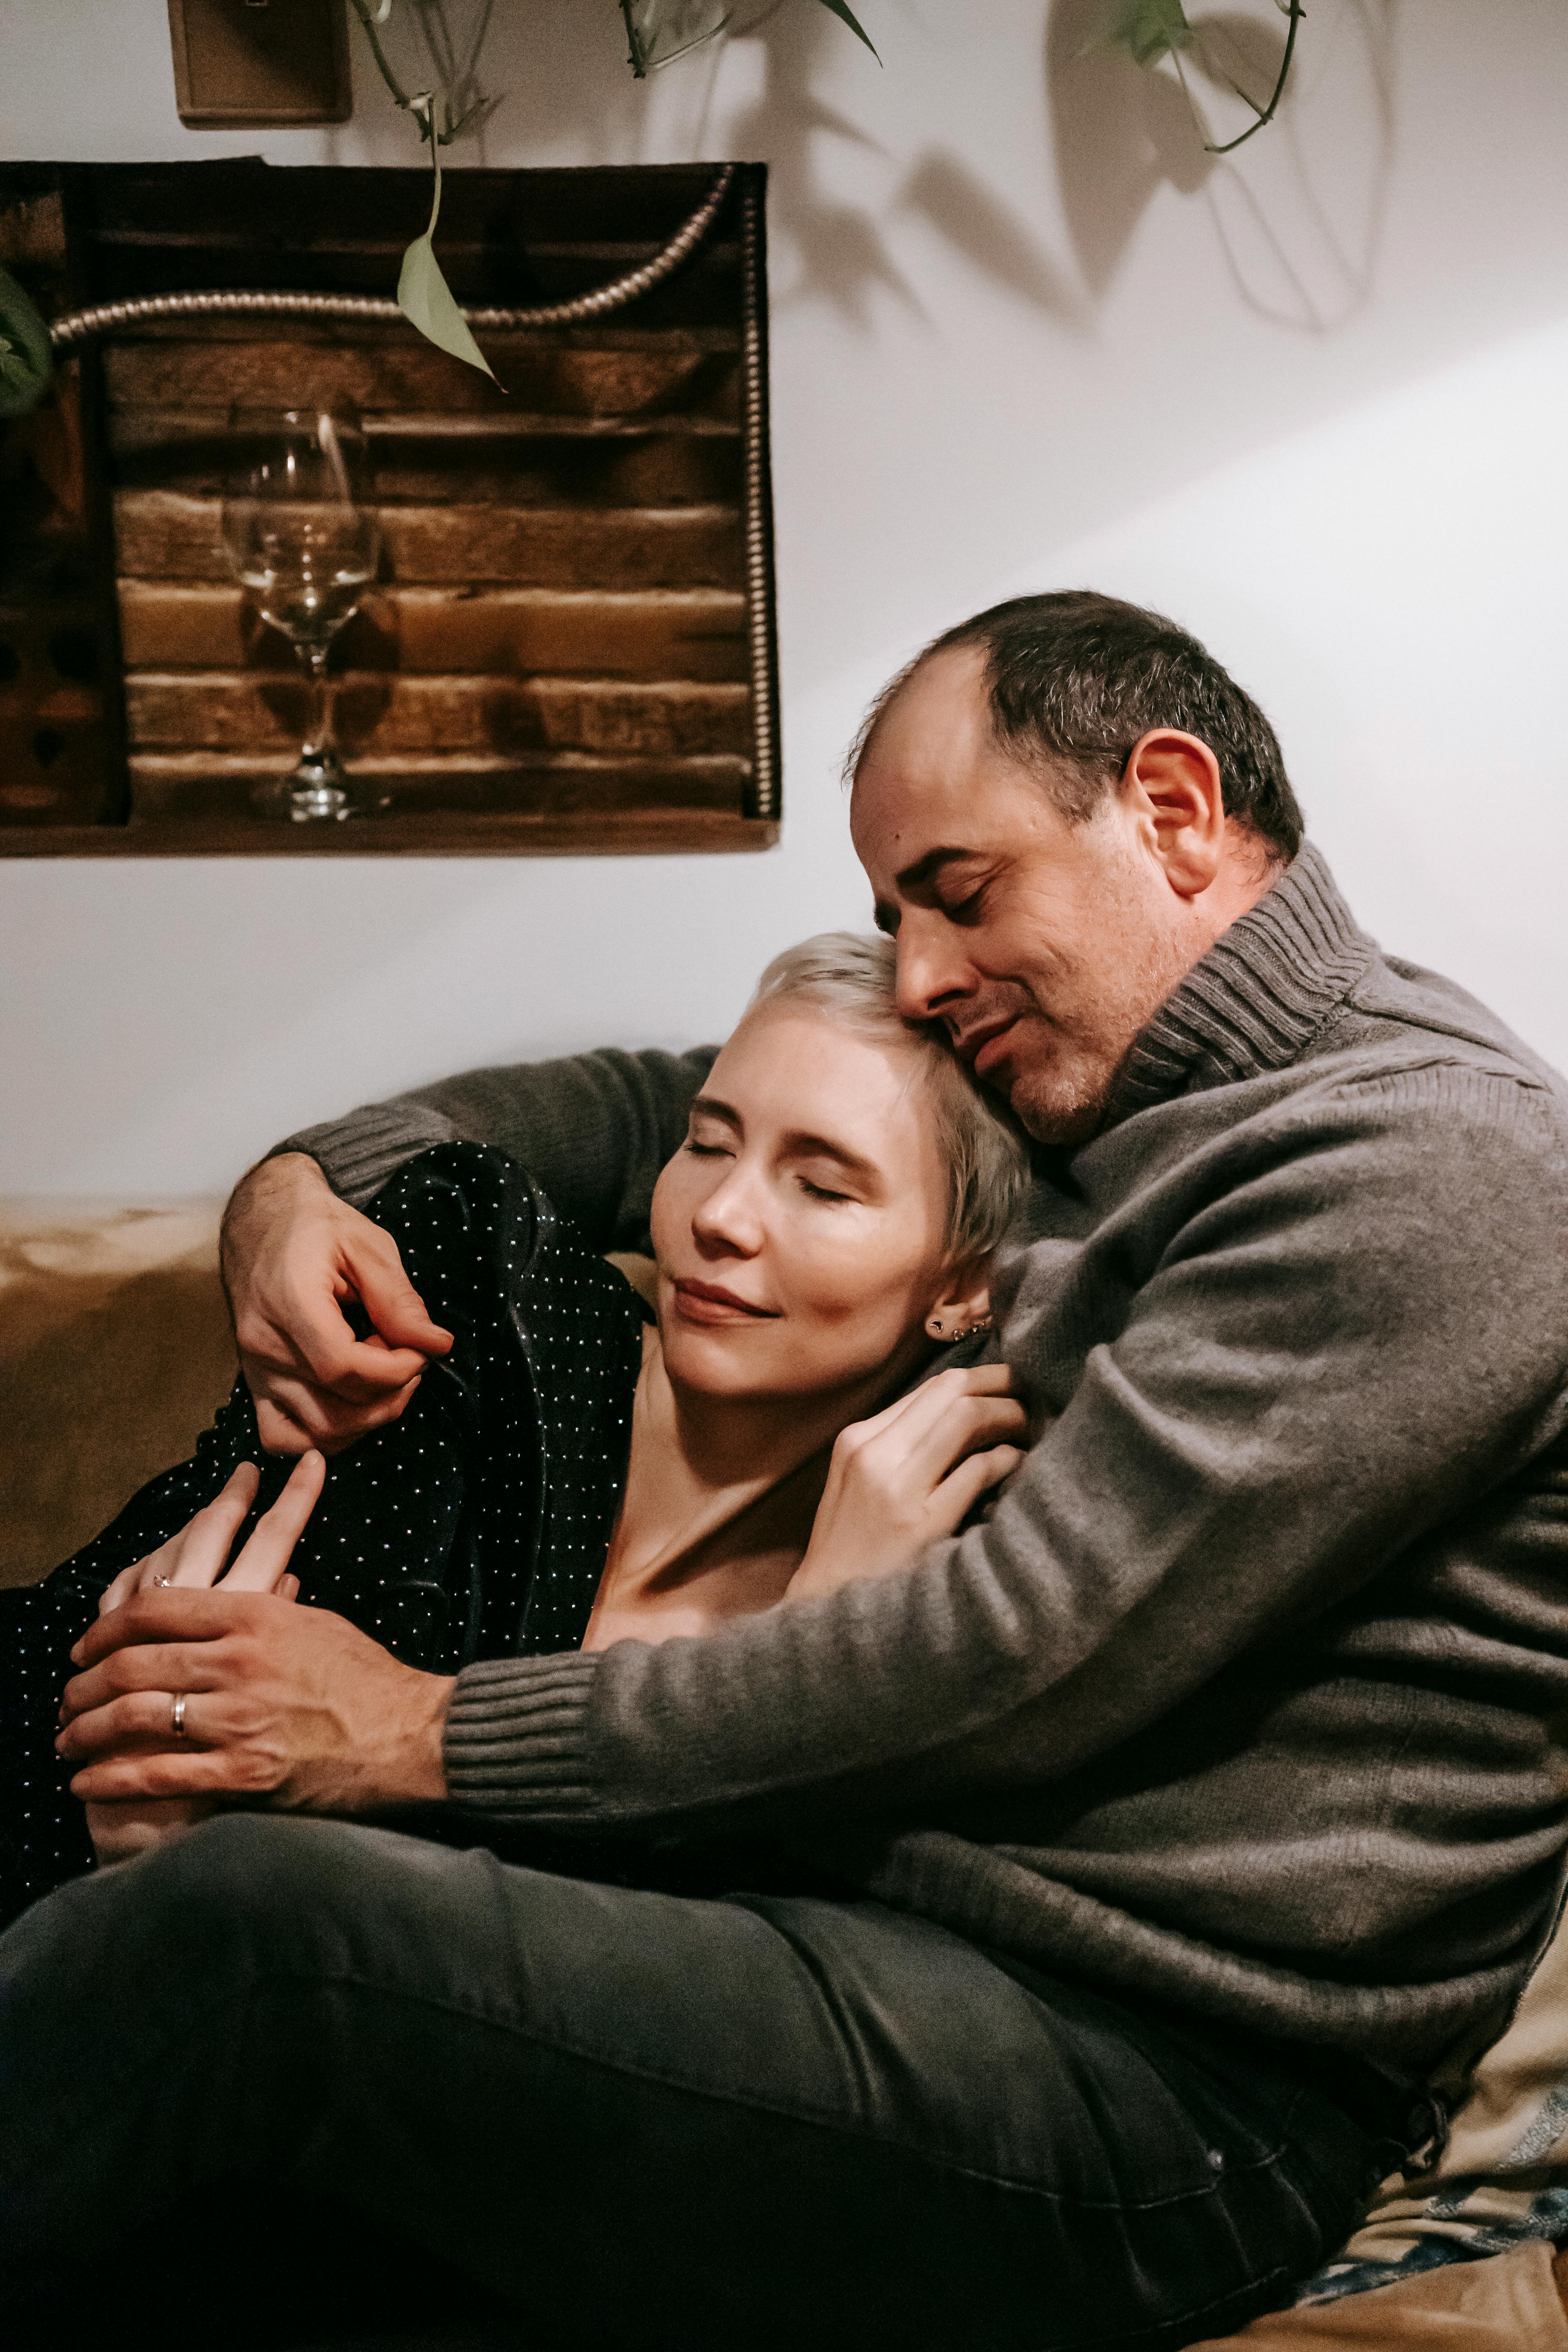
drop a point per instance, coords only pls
(658, 32)
(1152, 30)
(26, 363)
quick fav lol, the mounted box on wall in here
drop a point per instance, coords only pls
(569, 644)
(256, 62)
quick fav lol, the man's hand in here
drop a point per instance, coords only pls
(292, 1253)
(196, 1555)
(290, 1706)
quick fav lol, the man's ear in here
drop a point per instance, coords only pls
(1171, 780)
(965, 1303)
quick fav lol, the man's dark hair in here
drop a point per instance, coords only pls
(1075, 679)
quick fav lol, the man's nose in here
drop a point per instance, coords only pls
(932, 978)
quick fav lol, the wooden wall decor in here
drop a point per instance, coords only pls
(240, 63)
(568, 648)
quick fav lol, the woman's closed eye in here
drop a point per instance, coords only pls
(707, 1151)
(821, 1191)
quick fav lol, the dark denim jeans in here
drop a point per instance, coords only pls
(632, 2118)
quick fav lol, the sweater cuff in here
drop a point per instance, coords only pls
(515, 1742)
(358, 1154)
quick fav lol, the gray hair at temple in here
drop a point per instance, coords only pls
(1074, 678)
(849, 975)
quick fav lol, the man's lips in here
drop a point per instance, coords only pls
(984, 1046)
(709, 1302)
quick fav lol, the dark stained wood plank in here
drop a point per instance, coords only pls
(644, 832)
(311, 208)
(163, 535)
(60, 745)
(394, 369)
(504, 460)
(54, 749)
(696, 634)
(169, 787)
(243, 713)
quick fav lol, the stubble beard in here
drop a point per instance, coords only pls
(1063, 1100)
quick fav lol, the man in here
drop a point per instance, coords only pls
(1125, 1863)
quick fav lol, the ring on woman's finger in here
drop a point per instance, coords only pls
(162, 1580)
(177, 1713)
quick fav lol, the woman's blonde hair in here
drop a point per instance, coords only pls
(849, 975)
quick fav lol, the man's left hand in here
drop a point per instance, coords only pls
(285, 1705)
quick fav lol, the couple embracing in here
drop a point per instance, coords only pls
(950, 1783)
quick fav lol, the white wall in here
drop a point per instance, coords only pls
(1311, 401)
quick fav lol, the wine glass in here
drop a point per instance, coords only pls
(299, 535)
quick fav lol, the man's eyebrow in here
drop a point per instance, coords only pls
(925, 869)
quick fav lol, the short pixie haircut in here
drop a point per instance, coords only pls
(848, 975)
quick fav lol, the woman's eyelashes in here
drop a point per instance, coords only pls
(821, 1191)
(700, 1150)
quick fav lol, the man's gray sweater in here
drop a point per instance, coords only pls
(1241, 1700)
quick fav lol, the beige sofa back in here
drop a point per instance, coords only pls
(115, 1352)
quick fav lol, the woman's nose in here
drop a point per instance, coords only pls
(730, 1217)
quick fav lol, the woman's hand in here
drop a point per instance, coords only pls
(196, 1555)
(910, 1474)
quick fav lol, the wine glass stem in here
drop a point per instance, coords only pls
(320, 737)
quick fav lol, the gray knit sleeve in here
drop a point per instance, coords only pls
(1355, 1340)
(593, 1129)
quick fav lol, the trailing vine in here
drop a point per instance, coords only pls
(1152, 30)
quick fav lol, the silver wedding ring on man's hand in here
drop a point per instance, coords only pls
(177, 1713)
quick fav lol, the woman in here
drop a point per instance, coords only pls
(572, 1474)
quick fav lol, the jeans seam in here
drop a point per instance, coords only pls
(819, 2118)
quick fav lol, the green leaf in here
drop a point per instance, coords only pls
(27, 360)
(1151, 29)
(424, 295)
(659, 31)
(848, 16)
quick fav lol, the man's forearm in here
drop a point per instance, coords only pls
(593, 1129)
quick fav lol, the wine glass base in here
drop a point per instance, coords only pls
(309, 802)
(319, 789)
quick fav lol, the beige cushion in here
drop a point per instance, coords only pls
(115, 1352)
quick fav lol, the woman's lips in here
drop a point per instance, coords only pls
(707, 1302)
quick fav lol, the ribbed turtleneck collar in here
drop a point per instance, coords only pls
(1256, 999)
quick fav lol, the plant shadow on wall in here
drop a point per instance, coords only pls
(1298, 211)
(836, 250)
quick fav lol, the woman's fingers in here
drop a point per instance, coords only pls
(196, 1554)
(124, 1586)
(922, 1447)
(975, 1475)
(286, 1587)
(266, 1555)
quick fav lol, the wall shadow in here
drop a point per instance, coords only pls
(1299, 227)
